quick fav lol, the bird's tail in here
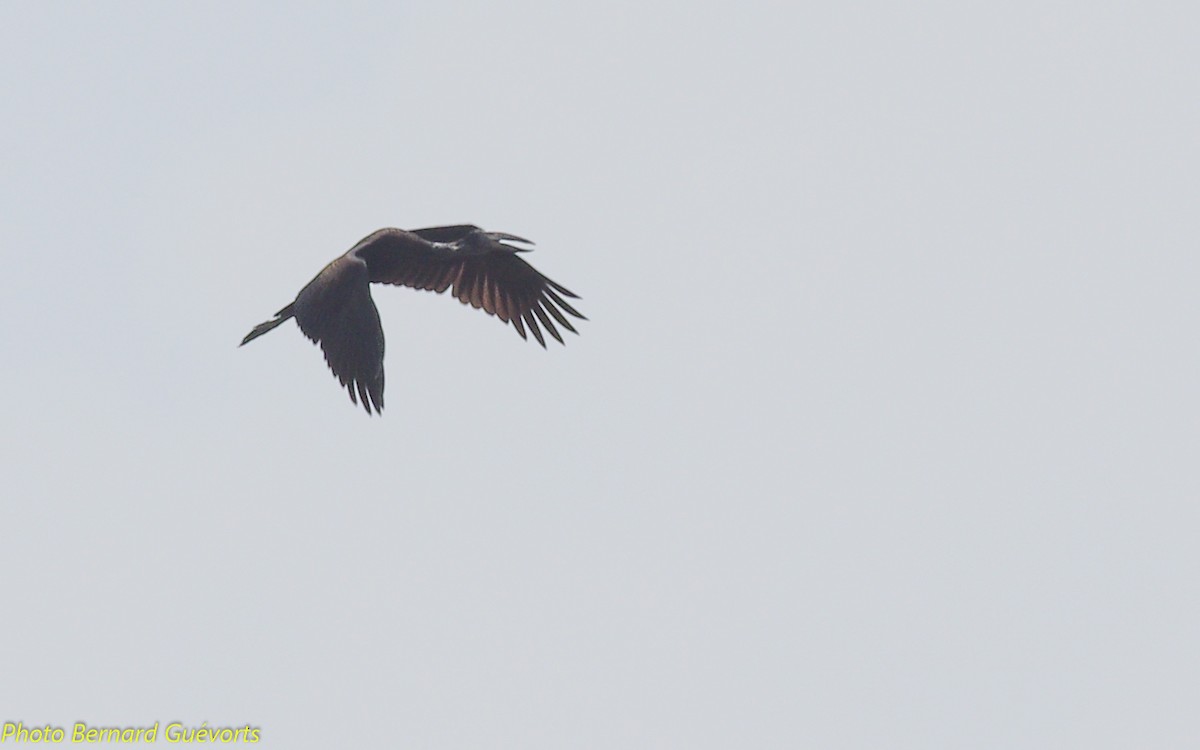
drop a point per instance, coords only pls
(258, 330)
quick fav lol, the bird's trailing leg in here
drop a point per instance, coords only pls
(258, 330)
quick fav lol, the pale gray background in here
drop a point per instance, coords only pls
(882, 434)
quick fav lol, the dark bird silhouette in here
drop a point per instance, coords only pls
(336, 311)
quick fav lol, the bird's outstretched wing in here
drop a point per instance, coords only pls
(498, 281)
(336, 311)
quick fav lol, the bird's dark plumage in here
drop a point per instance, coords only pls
(335, 309)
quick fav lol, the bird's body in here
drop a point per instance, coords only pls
(335, 309)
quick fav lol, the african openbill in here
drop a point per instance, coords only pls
(336, 311)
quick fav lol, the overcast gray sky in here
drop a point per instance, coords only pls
(882, 432)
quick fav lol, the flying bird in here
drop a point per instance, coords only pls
(335, 309)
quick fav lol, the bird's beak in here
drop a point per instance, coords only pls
(505, 237)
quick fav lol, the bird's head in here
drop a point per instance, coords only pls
(498, 241)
